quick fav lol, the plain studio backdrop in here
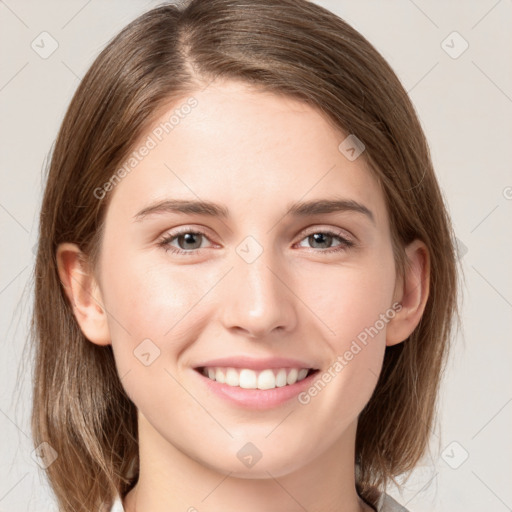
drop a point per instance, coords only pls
(454, 58)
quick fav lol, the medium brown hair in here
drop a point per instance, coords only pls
(290, 47)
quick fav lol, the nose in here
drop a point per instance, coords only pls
(258, 299)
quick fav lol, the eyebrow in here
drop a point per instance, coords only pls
(208, 208)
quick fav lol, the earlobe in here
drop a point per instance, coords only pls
(412, 292)
(83, 293)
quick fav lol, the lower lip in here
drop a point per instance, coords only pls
(257, 398)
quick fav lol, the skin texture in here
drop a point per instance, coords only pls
(255, 153)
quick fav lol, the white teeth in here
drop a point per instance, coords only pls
(232, 377)
(220, 376)
(281, 378)
(266, 380)
(250, 379)
(292, 376)
(302, 373)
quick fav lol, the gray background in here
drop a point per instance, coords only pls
(465, 106)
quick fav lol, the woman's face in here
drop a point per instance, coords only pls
(249, 286)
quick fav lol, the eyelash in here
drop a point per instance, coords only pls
(164, 243)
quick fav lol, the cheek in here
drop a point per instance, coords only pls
(155, 301)
(349, 300)
(141, 301)
(150, 308)
(355, 333)
(149, 298)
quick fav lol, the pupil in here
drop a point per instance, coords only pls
(189, 238)
(317, 238)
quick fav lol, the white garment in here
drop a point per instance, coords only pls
(385, 504)
(117, 506)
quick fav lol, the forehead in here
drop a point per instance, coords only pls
(246, 148)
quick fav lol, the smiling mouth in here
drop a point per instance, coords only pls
(250, 379)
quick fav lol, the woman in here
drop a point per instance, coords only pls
(289, 358)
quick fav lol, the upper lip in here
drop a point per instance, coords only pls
(255, 364)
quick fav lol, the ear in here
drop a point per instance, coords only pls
(83, 293)
(411, 292)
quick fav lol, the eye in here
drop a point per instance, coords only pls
(322, 238)
(187, 239)
(190, 241)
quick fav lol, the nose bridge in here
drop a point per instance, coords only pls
(258, 301)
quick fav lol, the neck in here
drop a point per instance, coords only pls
(172, 481)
